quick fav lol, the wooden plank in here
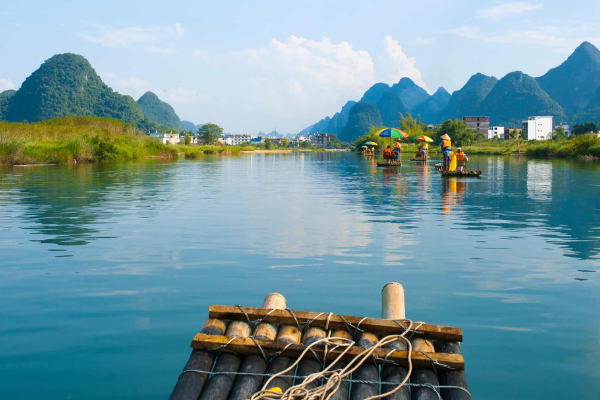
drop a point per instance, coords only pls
(246, 346)
(375, 325)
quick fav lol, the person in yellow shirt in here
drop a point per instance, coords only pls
(424, 149)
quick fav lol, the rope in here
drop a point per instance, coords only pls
(265, 375)
(333, 378)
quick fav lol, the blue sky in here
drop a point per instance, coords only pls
(254, 65)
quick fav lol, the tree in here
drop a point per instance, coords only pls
(559, 134)
(514, 134)
(459, 132)
(305, 144)
(412, 126)
(285, 142)
(187, 139)
(479, 137)
(210, 133)
(580, 129)
(268, 144)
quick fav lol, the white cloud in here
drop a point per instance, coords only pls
(557, 38)
(6, 84)
(120, 37)
(397, 64)
(507, 10)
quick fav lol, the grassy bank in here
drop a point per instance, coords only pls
(580, 145)
(81, 139)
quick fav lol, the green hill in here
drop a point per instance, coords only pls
(4, 97)
(516, 97)
(390, 106)
(573, 83)
(67, 85)
(591, 112)
(361, 118)
(340, 119)
(467, 100)
(374, 93)
(321, 126)
(159, 112)
(430, 109)
(410, 93)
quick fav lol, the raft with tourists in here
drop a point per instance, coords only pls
(275, 352)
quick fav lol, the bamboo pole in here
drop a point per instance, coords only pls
(344, 388)
(393, 307)
(452, 378)
(246, 385)
(287, 334)
(368, 371)
(309, 364)
(219, 385)
(190, 384)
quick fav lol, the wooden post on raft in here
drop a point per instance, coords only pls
(287, 334)
(246, 385)
(190, 384)
(219, 385)
(393, 307)
(452, 378)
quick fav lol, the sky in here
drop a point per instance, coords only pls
(260, 65)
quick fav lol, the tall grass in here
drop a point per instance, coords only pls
(585, 145)
(81, 139)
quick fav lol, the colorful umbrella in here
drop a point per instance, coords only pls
(371, 144)
(423, 138)
(363, 147)
(392, 133)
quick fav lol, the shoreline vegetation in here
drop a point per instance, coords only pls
(70, 140)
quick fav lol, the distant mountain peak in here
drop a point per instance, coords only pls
(159, 112)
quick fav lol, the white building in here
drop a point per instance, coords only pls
(235, 140)
(539, 128)
(565, 128)
(495, 132)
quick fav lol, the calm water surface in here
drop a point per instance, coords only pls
(106, 271)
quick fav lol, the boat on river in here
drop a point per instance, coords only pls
(271, 352)
(389, 163)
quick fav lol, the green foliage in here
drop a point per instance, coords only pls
(411, 126)
(580, 129)
(81, 139)
(187, 139)
(159, 112)
(285, 142)
(305, 144)
(210, 133)
(362, 117)
(268, 144)
(67, 85)
(372, 136)
(459, 132)
(559, 134)
(585, 144)
(4, 97)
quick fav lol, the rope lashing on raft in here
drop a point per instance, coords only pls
(418, 385)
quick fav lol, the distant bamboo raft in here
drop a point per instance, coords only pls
(389, 163)
(460, 173)
(277, 353)
(418, 159)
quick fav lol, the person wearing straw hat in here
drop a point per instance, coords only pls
(446, 145)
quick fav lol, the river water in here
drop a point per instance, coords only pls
(107, 271)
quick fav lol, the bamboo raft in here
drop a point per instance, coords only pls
(277, 353)
(389, 163)
(460, 173)
(418, 159)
